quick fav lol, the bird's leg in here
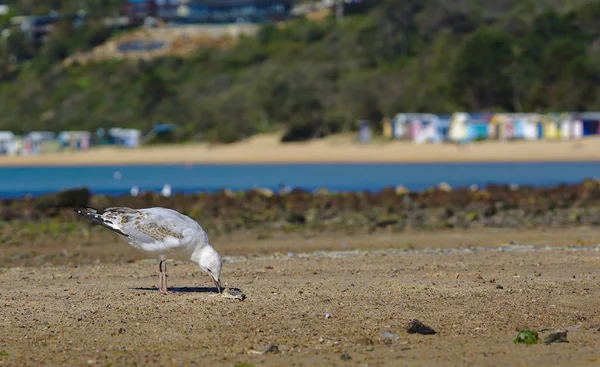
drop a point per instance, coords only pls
(160, 278)
(165, 276)
(162, 288)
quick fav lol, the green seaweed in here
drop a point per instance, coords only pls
(526, 336)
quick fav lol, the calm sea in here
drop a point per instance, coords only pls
(19, 181)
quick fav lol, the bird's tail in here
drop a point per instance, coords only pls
(95, 216)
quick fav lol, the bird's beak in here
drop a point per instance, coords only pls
(217, 284)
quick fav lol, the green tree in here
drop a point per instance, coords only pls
(312, 78)
(481, 77)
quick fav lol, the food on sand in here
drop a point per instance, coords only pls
(233, 294)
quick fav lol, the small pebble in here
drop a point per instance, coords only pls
(346, 357)
(369, 348)
(272, 348)
(416, 326)
(364, 341)
(558, 337)
(387, 335)
(499, 286)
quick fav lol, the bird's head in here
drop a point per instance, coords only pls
(210, 261)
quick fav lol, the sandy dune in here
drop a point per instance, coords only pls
(267, 149)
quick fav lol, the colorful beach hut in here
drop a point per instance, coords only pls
(590, 123)
(539, 126)
(419, 127)
(570, 127)
(412, 125)
(525, 126)
(478, 127)
(444, 125)
(74, 140)
(415, 125)
(431, 130)
(509, 126)
(550, 126)
(364, 131)
(466, 127)
(406, 125)
(545, 126)
(37, 142)
(458, 130)
(501, 127)
(7, 143)
(398, 125)
(129, 138)
(386, 128)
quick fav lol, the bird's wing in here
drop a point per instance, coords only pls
(100, 217)
(160, 226)
(163, 222)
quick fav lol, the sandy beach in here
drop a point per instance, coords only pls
(349, 307)
(335, 149)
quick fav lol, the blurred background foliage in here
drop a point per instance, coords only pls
(315, 78)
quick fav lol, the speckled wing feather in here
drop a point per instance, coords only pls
(151, 229)
(96, 216)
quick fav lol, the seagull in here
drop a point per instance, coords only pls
(166, 190)
(160, 231)
(134, 190)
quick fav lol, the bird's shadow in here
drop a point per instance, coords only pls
(185, 289)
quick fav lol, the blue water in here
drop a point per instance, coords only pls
(19, 181)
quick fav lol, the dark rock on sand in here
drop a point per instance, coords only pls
(417, 327)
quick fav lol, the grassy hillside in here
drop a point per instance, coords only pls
(316, 78)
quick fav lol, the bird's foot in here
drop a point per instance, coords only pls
(166, 292)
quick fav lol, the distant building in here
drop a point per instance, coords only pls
(129, 138)
(386, 128)
(590, 123)
(209, 11)
(36, 142)
(38, 29)
(74, 140)
(420, 127)
(3, 8)
(364, 131)
(571, 128)
(7, 143)
(465, 127)
(137, 10)
(511, 126)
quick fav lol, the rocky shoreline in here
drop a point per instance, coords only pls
(394, 208)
